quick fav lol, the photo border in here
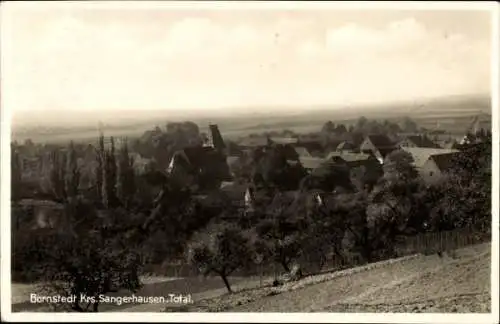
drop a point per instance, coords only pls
(6, 117)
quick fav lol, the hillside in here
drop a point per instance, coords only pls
(415, 284)
(419, 283)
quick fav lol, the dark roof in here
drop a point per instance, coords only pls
(196, 158)
(386, 151)
(216, 137)
(288, 151)
(345, 146)
(422, 141)
(380, 141)
(444, 161)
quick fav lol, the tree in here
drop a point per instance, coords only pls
(327, 228)
(271, 168)
(100, 167)
(16, 173)
(220, 249)
(361, 123)
(281, 236)
(58, 175)
(399, 165)
(340, 129)
(93, 257)
(328, 127)
(72, 179)
(409, 126)
(397, 207)
(360, 235)
(109, 177)
(330, 176)
(174, 218)
(125, 184)
(469, 181)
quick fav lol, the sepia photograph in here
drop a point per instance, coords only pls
(249, 158)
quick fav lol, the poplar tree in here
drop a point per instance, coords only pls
(125, 182)
(100, 166)
(72, 179)
(16, 172)
(57, 175)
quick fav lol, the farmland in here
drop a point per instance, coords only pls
(453, 115)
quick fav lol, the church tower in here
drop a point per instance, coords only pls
(215, 139)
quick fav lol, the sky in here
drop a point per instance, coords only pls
(98, 60)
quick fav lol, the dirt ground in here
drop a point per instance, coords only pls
(458, 283)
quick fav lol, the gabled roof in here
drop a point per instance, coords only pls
(421, 155)
(197, 158)
(311, 162)
(380, 141)
(444, 161)
(422, 141)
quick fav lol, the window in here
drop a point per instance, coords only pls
(431, 173)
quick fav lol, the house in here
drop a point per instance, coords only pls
(208, 163)
(378, 145)
(436, 166)
(421, 155)
(418, 141)
(361, 165)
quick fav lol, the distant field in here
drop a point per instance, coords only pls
(452, 115)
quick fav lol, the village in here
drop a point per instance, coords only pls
(431, 155)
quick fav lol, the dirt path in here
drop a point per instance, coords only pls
(446, 281)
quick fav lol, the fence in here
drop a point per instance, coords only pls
(433, 242)
(425, 243)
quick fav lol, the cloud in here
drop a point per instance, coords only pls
(69, 61)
